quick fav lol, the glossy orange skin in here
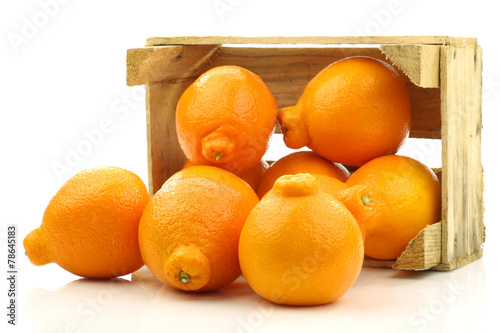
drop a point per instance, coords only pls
(300, 246)
(193, 224)
(408, 198)
(300, 162)
(90, 226)
(354, 110)
(252, 176)
(351, 197)
(225, 177)
(225, 119)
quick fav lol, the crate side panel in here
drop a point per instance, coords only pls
(165, 156)
(419, 62)
(287, 71)
(166, 63)
(327, 40)
(462, 174)
(423, 252)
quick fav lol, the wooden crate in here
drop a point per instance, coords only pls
(443, 75)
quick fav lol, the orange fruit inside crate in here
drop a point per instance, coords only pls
(252, 176)
(221, 175)
(408, 198)
(354, 110)
(225, 119)
(356, 198)
(300, 162)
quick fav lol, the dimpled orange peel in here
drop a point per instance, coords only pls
(189, 232)
(90, 226)
(252, 176)
(300, 162)
(354, 110)
(300, 245)
(226, 118)
(408, 197)
(221, 175)
(357, 198)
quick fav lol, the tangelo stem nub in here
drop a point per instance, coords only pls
(187, 268)
(218, 146)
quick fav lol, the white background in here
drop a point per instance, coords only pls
(63, 75)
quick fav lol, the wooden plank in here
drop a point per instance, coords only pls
(319, 40)
(165, 63)
(461, 40)
(420, 63)
(423, 252)
(165, 156)
(462, 174)
(458, 262)
(287, 71)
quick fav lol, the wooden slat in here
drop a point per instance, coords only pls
(423, 252)
(168, 70)
(334, 40)
(287, 71)
(165, 63)
(419, 62)
(165, 156)
(462, 173)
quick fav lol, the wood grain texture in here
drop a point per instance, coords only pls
(423, 252)
(165, 156)
(462, 174)
(420, 63)
(168, 69)
(287, 71)
(200, 40)
(166, 63)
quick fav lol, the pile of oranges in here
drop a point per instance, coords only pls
(298, 229)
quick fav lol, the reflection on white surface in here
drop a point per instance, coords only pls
(87, 306)
(380, 300)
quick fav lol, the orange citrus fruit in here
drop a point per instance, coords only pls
(221, 175)
(354, 110)
(252, 176)
(225, 118)
(408, 198)
(300, 245)
(356, 198)
(300, 162)
(189, 233)
(90, 226)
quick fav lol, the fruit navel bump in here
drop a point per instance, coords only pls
(300, 245)
(190, 229)
(36, 247)
(296, 185)
(218, 147)
(354, 110)
(89, 227)
(226, 118)
(293, 127)
(301, 162)
(187, 268)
